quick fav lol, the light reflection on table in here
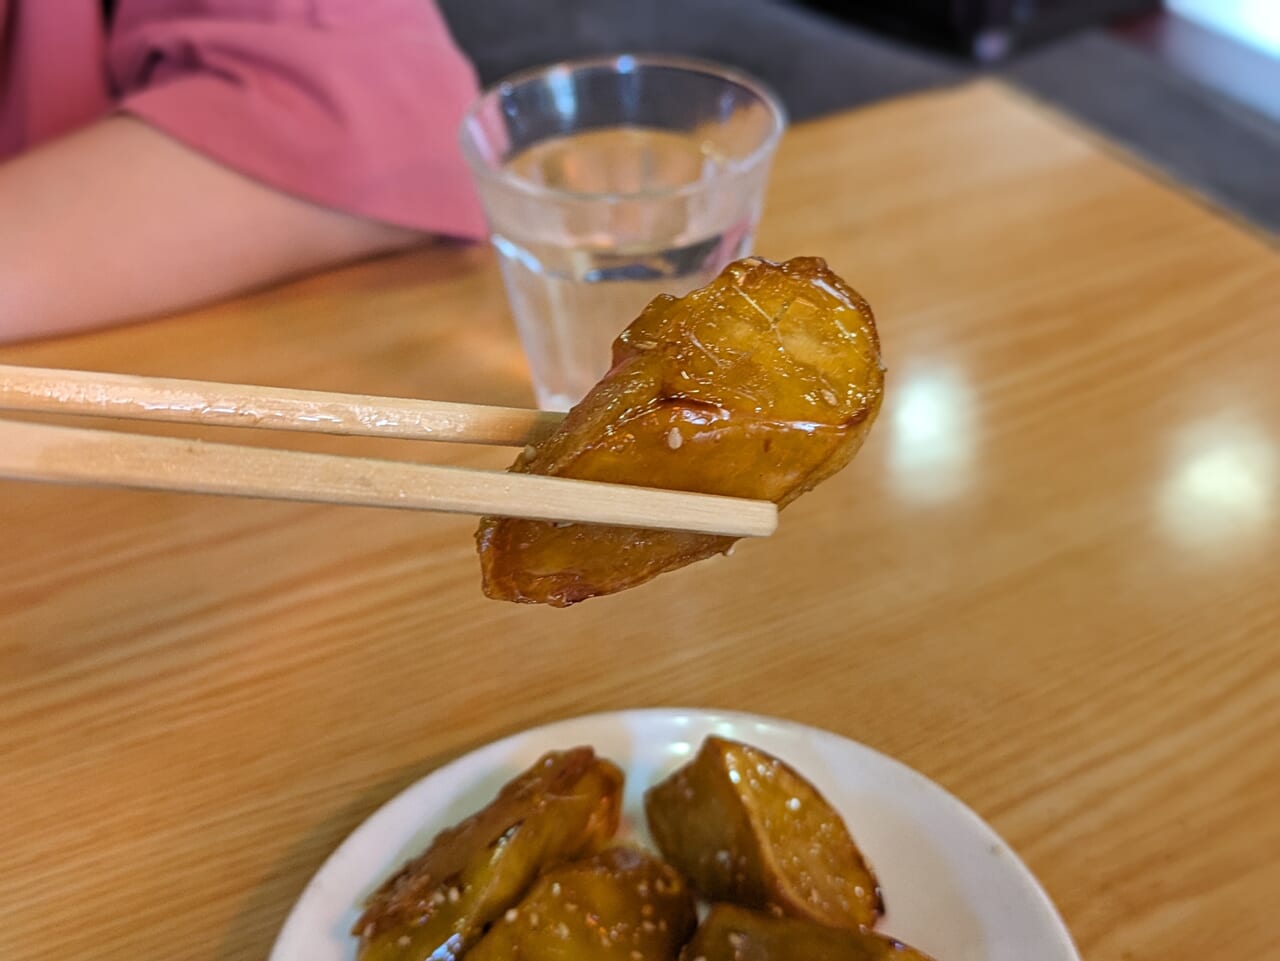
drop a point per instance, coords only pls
(1220, 492)
(931, 434)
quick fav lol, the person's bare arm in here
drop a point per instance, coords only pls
(119, 221)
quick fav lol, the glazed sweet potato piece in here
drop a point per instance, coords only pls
(746, 828)
(620, 905)
(761, 384)
(437, 906)
(731, 933)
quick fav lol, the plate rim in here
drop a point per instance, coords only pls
(667, 714)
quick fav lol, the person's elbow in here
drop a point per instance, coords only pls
(36, 303)
(26, 309)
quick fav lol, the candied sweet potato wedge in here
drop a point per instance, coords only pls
(746, 828)
(437, 906)
(761, 384)
(621, 904)
(731, 933)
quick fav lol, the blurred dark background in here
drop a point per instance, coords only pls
(1190, 86)
(985, 29)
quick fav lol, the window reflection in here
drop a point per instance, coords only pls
(1222, 487)
(563, 93)
(1255, 22)
(931, 435)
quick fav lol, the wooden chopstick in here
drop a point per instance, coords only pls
(73, 455)
(44, 390)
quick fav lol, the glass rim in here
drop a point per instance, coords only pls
(481, 168)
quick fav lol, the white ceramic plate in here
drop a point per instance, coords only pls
(951, 887)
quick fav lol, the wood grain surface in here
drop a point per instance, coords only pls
(1050, 581)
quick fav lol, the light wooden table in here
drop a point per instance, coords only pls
(1051, 581)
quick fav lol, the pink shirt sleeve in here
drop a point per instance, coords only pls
(353, 104)
(51, 78)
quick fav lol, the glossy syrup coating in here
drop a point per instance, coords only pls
(731, 933)
(437, 906)
(746, 828)
(761, 384)
(620, 905)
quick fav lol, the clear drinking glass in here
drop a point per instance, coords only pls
(609, 181)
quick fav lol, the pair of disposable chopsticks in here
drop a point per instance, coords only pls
(73, 455)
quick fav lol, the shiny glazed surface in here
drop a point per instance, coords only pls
(734, 934)
(621, 905)
(761, 384)
(438, 905)
(746, 827)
